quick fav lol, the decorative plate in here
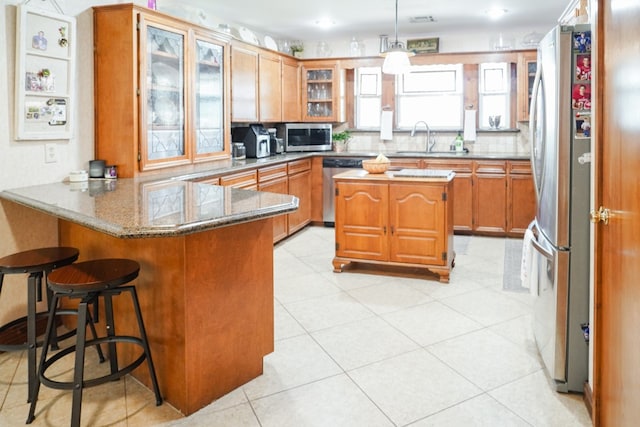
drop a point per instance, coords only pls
(248, 36)
(270, 43)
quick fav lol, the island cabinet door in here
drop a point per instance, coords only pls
(417, 224)
(361, 218)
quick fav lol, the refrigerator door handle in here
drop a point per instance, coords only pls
(536, 245)
(533, 124)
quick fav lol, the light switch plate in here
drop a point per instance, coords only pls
(50, 153)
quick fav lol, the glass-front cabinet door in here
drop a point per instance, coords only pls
(163, 137)
(209, 100)
(320, 93)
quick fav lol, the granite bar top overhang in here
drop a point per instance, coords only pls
(129, 208)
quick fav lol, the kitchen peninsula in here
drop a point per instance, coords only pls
(206, 279)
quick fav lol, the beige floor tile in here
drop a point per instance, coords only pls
(389, 296)
(327, 311)
(363, 342)
(412, 386)
(334, 402)
(487, 306)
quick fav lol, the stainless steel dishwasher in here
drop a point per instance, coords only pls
(330, 167)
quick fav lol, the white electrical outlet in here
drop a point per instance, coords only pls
(50, 153)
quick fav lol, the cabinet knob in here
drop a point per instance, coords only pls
(600, 215)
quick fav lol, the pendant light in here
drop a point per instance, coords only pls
(396, 57)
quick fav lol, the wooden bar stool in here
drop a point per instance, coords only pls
(89, 281)
(37, 263)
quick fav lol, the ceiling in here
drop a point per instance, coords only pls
(297, 19)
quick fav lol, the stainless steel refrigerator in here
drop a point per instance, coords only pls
(560, 157)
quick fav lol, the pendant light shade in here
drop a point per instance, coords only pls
(396, 58)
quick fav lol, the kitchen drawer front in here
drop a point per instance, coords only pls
(246, 179)
(458, 166)
(405, 163)
(298, 166)
(272, 172)
(490, 166)
(211, 181)
(519, 167)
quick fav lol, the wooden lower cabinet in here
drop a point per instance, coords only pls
(490, 197)
(520, 198)
(462, 188)
(300, 186)
(394, 222)
(245, 179)
(274, 179)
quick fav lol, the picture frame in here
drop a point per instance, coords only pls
(45, 63)
(418, 46)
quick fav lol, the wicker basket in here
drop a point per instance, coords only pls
(373, 166)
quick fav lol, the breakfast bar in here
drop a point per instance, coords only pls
(207, 304)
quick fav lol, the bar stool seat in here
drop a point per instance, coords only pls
(37, 263)
(90, 281)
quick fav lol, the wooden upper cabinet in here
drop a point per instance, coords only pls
(291, 103)
(320, 91)
(244, 85)
(270, 87)
(527, 65)
(160, 90)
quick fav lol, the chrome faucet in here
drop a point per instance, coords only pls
(430, 139)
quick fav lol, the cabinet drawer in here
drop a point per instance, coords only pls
(245, 179)
(397, 164)
(299, 166)
(458, 166)
(211, 181)
(490, 166)
(272, 172)
(519, 167)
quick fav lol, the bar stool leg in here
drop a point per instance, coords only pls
(145, 345)
(79, 363)
(43, 358)
(111, 331)
(32, 285)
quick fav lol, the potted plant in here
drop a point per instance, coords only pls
(297, 49)
(340, 140)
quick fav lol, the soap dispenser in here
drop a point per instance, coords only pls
(459, 143)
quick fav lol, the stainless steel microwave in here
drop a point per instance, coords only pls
(307, 136)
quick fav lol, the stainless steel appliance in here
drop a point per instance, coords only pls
(560, 156)
(307, 137)
(276, 145)
(255, 139)
(330, 167)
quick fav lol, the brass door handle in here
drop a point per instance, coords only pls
(601, 215)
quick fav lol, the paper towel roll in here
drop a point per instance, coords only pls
(386, 125)
(470, 125)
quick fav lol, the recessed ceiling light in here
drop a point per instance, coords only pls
(325, 23)
(496, 13)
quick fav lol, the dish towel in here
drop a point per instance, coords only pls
(529, 266)
(386, 125)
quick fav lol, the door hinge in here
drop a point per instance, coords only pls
(444, 197)
(337, 246)
(337, 192)
(138, 91)
(444, 256)
(139, 156)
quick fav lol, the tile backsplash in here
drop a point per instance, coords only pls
(514, 141)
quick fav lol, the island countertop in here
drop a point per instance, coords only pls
(128, 208)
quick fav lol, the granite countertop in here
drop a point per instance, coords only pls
(129, 208)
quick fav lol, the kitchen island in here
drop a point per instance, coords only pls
(395, 219)
(206, 278)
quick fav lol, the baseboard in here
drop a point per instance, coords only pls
(587, 397)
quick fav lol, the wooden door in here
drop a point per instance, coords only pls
(244, 85)
(521, 209)
(270, 89)
(417, 224)
(490, 197)
(291, 103)
(617, 260)
(362, 218)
